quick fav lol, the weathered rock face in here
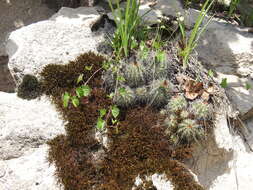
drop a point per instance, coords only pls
(225, 161)
(15, 14)
(26, 124)
(28, 172)
(25, 127)
(57, 40)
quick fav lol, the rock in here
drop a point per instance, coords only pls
(237, 91)
(149, 16)
(169, 8)
(57, 40)
(16, 14)
(225, 161)
(29, 172)
(26, 125)
(246, 9)
(228, 50)
(7, 83)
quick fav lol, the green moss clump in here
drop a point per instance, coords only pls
(30, 88)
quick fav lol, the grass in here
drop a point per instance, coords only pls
(233, 7)
(127, 23)
(191, 43)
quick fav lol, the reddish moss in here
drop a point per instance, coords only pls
(140, 146)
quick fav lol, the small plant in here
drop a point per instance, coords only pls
(177, 103)
(232, 7)
(135, 74)
(171, 121)
(200, 109)
(141, 94)
(128, 25)
(189, 131)
(160, 92)
(125, 96)
(191, 43)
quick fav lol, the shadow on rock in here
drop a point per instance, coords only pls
(7, 83)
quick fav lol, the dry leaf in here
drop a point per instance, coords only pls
(205, 96)
(193, 89)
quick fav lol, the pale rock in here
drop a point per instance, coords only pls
(224, 162)
(58, 40)
(169, 8)
(239, 95)
(149, 16)
(29, 172)
(26, 125)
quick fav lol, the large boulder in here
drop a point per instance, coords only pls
(26, 125)
(28, 172)
(57, 40)
(16, 14)
(224, 161)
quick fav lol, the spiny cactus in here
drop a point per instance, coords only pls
(189, 131)
(200, 109)
(177, 103)
(184, 114)
(171, 121)
(125, 96)
(135, 74)
(141, 94)
(160, 92)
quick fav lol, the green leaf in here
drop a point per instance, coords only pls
(160, 56)
(65, 99)
(102, 112)
(106, 65)
(79, 79)
(86, 90)
(115, 111)
(110, 95)
(248, 86)
(100, 124)
(114, 121)
(79, 92)
(210, 73)
(88, 68)
(224, 83)
(75, 101)
(121, 78)
(122, 91)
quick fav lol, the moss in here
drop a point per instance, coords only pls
(29, 88)
(65, 76)
(139, 146)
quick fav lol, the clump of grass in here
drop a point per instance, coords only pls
(128, 25)
(191, 43)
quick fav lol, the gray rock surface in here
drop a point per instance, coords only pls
(57, 40)
(16, 14)
(28, 172)
(26, 124)
(224, 162)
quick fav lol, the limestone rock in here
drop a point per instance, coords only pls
(225, 161)
(169, 8)
(57, 40)
(26, 124)
(29, 172)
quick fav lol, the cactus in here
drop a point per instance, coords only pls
(177, 103)
(135, 74)
(125, 97)
(200, 109)
(184, 114)
(189, 131)
(141, 94)
(160, 92)
(171, 121)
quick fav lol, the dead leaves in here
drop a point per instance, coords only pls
(194, 89)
